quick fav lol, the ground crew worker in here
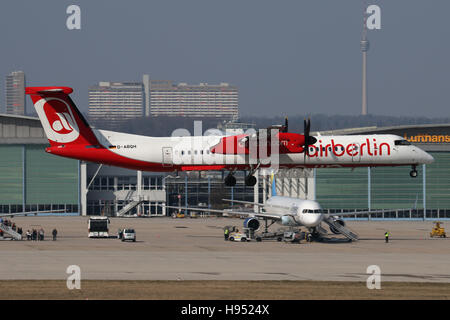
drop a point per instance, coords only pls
(226, 234)
(386, 236)
(54, 233)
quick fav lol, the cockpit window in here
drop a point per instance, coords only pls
(318, 211)
(402, 143)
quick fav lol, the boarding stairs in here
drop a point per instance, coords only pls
(349, 234)
(129, 206)
(9, 231)
(321, 230)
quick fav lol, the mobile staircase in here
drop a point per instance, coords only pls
(9, 231)
(349, 234)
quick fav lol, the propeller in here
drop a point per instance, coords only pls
(309, 140)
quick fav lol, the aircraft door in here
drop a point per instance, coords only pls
(167, 157)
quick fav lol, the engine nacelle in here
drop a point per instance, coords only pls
(252, 223)
(288, 221)
(338, 221)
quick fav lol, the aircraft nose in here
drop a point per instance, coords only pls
(428, 158)
(312, 219)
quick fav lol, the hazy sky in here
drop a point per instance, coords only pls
(287, 57)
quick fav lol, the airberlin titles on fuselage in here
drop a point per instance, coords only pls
(351, 149)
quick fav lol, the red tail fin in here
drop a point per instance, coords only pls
(63, 123)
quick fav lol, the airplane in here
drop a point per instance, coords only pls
(70, 136)
(289, 212)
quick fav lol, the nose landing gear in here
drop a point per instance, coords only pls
(413, 172)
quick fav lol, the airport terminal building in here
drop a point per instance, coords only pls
(32, 180)
(392, 187)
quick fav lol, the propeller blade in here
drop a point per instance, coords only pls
(308, 139)
(306, 135)
(286, 125)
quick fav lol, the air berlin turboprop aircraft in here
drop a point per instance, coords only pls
(71, 136)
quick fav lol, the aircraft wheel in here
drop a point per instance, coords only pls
(250, 180)
(413, 173)
(230, 181)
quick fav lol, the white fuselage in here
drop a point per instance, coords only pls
(295, 212)
(328, 151)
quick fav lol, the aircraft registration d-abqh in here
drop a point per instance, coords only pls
(71, 136)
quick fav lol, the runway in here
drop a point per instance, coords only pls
(194, 249)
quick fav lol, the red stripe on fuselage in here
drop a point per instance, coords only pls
(100, 154)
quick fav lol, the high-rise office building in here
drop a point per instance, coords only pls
(15, 93)
(116, 101)
(202, 100)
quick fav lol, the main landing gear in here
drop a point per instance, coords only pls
(250, 180)
(230, 180)
(413, 172)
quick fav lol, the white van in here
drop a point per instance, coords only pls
(129, 234)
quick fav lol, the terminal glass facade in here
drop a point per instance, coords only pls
(389, 187)
(342, 188)
(438, 181)
(11, 174)
(33, 180)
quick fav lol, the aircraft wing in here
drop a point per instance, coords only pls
(243, 213)
(28, 213)
(283, 142)
(352, 213)
(253, 203)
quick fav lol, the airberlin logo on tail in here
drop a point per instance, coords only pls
(57, 119)
(62, 125)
